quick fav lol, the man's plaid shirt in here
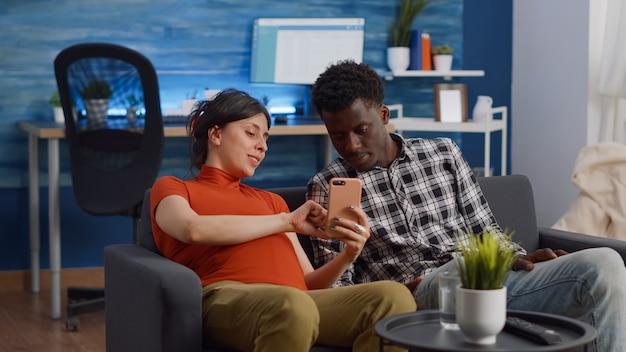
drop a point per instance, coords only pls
(417, 207)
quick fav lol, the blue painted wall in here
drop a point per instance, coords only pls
(205, 44)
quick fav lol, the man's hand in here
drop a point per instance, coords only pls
(527, 262)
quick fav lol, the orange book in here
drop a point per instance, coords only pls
(426, 59)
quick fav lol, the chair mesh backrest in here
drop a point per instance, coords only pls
(123, 78)
(114, 159)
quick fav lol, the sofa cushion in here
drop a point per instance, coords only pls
(144, 236)
(511, 200)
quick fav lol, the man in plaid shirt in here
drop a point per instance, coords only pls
(420, 195)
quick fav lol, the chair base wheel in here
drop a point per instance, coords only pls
(72, 324)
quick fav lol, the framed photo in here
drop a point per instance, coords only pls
(451, 102)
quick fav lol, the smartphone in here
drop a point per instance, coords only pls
(342, 193)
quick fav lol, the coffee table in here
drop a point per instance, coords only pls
(421, 332)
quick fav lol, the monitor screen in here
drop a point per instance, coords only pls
(297, 50)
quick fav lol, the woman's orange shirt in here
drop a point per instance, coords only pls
(271, 259)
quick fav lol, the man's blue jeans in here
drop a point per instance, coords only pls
(589, 285)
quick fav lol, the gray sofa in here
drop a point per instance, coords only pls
(154, 304)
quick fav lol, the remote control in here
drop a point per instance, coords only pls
(532, 331)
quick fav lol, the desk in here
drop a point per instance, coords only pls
(404, 123)
(421, 332)
(52, 132)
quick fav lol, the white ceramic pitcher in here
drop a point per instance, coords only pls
(482, 109)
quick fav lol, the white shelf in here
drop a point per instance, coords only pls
(428, 124)
(388, 75)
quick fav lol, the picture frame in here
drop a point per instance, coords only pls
(450, 102)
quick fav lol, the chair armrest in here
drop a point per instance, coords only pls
(152, 303)
(573, 241)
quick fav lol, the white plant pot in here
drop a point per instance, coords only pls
(58, 114)
(398, 58)
(442, 62)
(96, 110)
(481, 314)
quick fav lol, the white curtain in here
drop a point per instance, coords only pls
(613, 74)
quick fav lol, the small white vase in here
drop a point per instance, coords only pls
(398, 58)
(442, 62)
(482, 109)
(481, 314)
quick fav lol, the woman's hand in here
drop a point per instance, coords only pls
(308, 219)
(353, 233)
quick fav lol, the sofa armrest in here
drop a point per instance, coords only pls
(152, 303)
(572, 241)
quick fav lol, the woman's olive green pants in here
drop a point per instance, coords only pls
(265, 317)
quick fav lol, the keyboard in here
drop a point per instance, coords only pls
(175, 119)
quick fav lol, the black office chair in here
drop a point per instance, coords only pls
(113, 158)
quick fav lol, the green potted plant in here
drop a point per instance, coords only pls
(398, 53)
(96, 96)
(96, 89)
(442, 57)
(442, 50)
(483, 263)
(55, 101)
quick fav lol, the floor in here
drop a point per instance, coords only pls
(25, 325)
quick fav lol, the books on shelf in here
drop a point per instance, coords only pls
(420, 51)
(415, 46)
(426, 58)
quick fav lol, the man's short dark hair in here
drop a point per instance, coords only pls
(341, 84)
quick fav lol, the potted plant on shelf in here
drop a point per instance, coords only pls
(96, 95)
(483, 263)
(398, 52)
(133, 103)
(442, 57)
(55, 101)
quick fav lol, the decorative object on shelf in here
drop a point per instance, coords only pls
(483, 263)
(133, 105)
(96, 95)
(398, 52)
(482, 109)
(450, 102)
(55, 101)
(442, 57)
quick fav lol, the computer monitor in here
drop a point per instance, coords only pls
(297, 50)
